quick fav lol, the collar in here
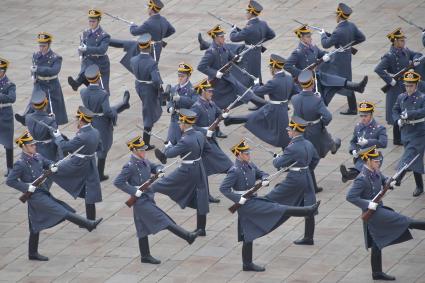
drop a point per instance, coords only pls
(137, 159)
(188, 129)
(185, 84)
(281, 72)
(253, 20)
(96, 29)
(85, 126)
(4, 80)
(28, 157)
(372, 122)
(242, 164)
(145, 53)
(214, 45)
(342, 22)
(297, 138)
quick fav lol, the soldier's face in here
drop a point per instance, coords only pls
(219, 40)
(139, 153)
(43, 47)
(410, 88)
(2, 73)
(365, 118)
(245, 156)
(207, 94)
(182, 78)
(400, 43)
(248, 15)
(30, 148)
(93, 23)
(307, 39)
(374, 164)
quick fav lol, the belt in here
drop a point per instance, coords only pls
(297, 169)
(239, 192)
(99, 114)
(190, 161)
(84, 155)
(314, 122)
(205, 128)
(411, 122)
(96, 55)
(155, 42)
(47, 78)
(252, 45)
(3, 105)
(44, 141)
(277, 101)
(144, 82)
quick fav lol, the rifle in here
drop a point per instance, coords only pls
(320, 61)
(144, 187)
(245, 72)
(400, 73)
(260, 145)
(46, 173)
(80, 53)
(224, 21)
(33, 74)
(411, 23)
(368, 213)
(328, 34)
(163, 43)
(217, 121)
(258, 186)
(153, 134)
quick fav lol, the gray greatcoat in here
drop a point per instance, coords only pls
(7, 95)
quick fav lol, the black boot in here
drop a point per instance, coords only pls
(248, 265)
(145, 252)
(308, 232)
(396, 134)
(302, 211)
(419, 184)
(235, 120)
(120, 107)
(336, 145)
(9, 160)
(352, 105)
(258, 101)
(91, 211)
(147, 138)
(20, 119)
(316, 188)
(400, 178)
(349, 174)
(358, 87)
(203, 45)
(101, 169)
(160, 156)
(75, 84)
(182, 233)
(33, 248)
(220, 134)
(201, 222)
(82, 222)
(415, 224)
(376, 263)
(212, 199)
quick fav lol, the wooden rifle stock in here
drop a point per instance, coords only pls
(36, 183)
(377, 199)
(397, 76)
(248, 194)
(144, 187)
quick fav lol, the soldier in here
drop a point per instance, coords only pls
(257, 216)
(96, 100)
(93, 47)
(311, 108)
(254, 32)
(79, 175)
(7, 98)
(157, 26)
(149, 219)
(386, 227)
(188, 184)
(392, 62)
(39, 124)
(148, 84)
(270, 121)
(183, 96)
(344, 33)
(298, 187)
(215, 160)
(44, 211)
(366, 133)
(409, 112)
(306, 54)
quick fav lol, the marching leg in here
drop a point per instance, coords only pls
(82, 222)
(358, 87)
(182, 233)
(235, 120)
(376, 263)
(147, 138)
(419, 184)
(91, 211)
(120, 107)
(203, 45)
(219, 133)
(316, 188)
(349, 174)
(145, 252)
(33, 248)
(352, 105)
(308, 232)
(396, 134)
(302, 211)
(248, 265)
(416, 224)
(201, 223)
(9, 160)
(101, 169)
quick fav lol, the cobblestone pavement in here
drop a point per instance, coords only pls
(110, 253)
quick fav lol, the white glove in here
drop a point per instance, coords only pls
(355, 153)
(138, 193)
(225, 115)
(242, 200)
(132, 24)
(400, 123)
(416, 62)
(219, 75)
(393, 184)
(238, 59)
(161, 173)
(234, 27)
(33, 69)
(171, 110)
(393, 82)
(57, 133)
(31, 188)
(168, 144)
(265, 183)
(404, 115)
(362, 141)
(210, 133)
(326, 58)
(54, 168)
(322, 31)
(372, 205)
(257, 81)
(82, 48)
(176, 98)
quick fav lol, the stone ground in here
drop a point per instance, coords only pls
(110, 253)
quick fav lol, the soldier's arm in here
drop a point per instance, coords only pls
(397, 109)
(382, 67)
(353, 142)
(260, 174)
(270, 34)
(291, 64)
(262, 90)
(71, 145)
(414, 55)
(121, 181)
(204, 65)
(315, 159)
(170, 29)
(117, 43)
(381, 141)
(286, 159)
(417, 113)
(53, 70)
(359, 36)
(10, 95)
(326, 114)
(239, 35)
(46, 162)
(13, 179)
(107, 110)
(329, 41)
(138, 30)
(227, 185)
(354, 194)
(181, 148)
(155, 168)
(101, 48)
(156, 76)
(195, 108)
(186, 101)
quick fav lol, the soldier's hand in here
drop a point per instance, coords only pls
(176, 97)
(326, 58)
(322, 31)
(372, 205)
(82, 48)
(33, 69)
(54, 168)
(257, 81)
(57, 133)
(404, 115)
(219, 75)
(210, 133)
(362, 141)
(170, 109)
(225, 115)
(242, 200)
(265, 183)
(393, 82)
(161, 174)
(416, 62)
(355, 153)
(132, 24)
(393, 184)
(31, 188)
(400, 123)
(138, 193)
(168, 144)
